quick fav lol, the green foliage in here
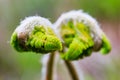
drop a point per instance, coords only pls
(77, 50)
(68, 33)
(43, 40)
(80, 41)
(15, 42)
(40, 40)
(106, 46)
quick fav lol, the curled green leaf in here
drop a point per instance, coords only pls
(78, 40)
(81, 35)
(35, 34)
(106, 46)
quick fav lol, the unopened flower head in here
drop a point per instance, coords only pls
(81, 34)
(35, 34)
(26, 26)
(79, 17)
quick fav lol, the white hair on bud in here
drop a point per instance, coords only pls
(79, 16)
(26, 26)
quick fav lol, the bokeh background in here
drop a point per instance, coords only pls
(27, 66)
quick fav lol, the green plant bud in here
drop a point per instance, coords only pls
(106, 46)
(78, 49)
(81, 35)
(35, 34)
(16, 43)
(74, 51)
(78, 40)
(67, 34)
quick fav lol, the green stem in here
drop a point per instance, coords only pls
(49, 74)
(71, 70)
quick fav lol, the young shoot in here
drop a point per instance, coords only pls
(35, 34)
(81, 34)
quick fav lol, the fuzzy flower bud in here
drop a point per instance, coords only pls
(35, 34)
(81, 34)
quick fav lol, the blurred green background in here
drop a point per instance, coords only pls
(27, 66)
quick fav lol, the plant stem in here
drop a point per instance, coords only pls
(71, 70)
(49, 74)
(70, 67)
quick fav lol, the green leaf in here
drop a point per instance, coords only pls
(106, 46)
